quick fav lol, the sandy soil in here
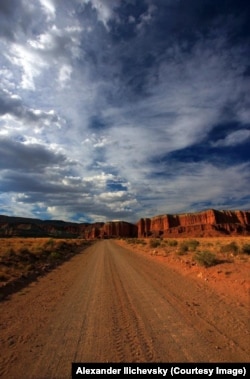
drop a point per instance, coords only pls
(114, 304)
(230, 279)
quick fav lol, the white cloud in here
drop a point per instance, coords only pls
(104, 9)
(113, 196)
(181, 108)
(186, 185)
(31, 63)
(131, 19)
(72, 181)
(64, 75)
(49, 8)
(50, 51)
(99, 181)
(17, 116)
(6, 78)
(96, 141)
(58, 43)
(234, 138)
(146, 17)
(59, 213)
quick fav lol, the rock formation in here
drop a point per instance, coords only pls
(27, 227)
(205, 223)
(119, 229)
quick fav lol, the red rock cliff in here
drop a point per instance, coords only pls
(119, 229)
(208, 222)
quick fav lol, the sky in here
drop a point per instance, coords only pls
(122, 109)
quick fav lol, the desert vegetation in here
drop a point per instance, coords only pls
(136, 241)
(206, 251)
(205, 258)
(21, 258)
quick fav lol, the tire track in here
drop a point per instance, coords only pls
(129, 329)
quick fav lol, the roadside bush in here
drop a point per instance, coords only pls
(205, 258)
(55, 255)
(140, 241)
(183, 249)
(246, 248)
(186, 246)
(231, 247)
(154, 243)
(193, 244)
(172, 242)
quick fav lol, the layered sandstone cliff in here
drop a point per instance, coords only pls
(119, 229)
(209, 222)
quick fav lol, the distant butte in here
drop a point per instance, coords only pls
(207, 223)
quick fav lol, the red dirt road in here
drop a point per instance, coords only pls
(110, 304)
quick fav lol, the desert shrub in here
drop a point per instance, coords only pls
(172, 242)
(131, 241)
(192, 244)
(231, 247)
(154, 243)
(55, 255)
(205, 258)
(183, 249)
(138, 241)
(186, 246)
(246, 248)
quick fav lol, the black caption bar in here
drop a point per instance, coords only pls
(163, 370)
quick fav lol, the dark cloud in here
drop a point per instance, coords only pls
(33, 185)
(18, 18)
(13, 105)
(28, 157)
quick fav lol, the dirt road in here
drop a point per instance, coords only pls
(109, 304)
